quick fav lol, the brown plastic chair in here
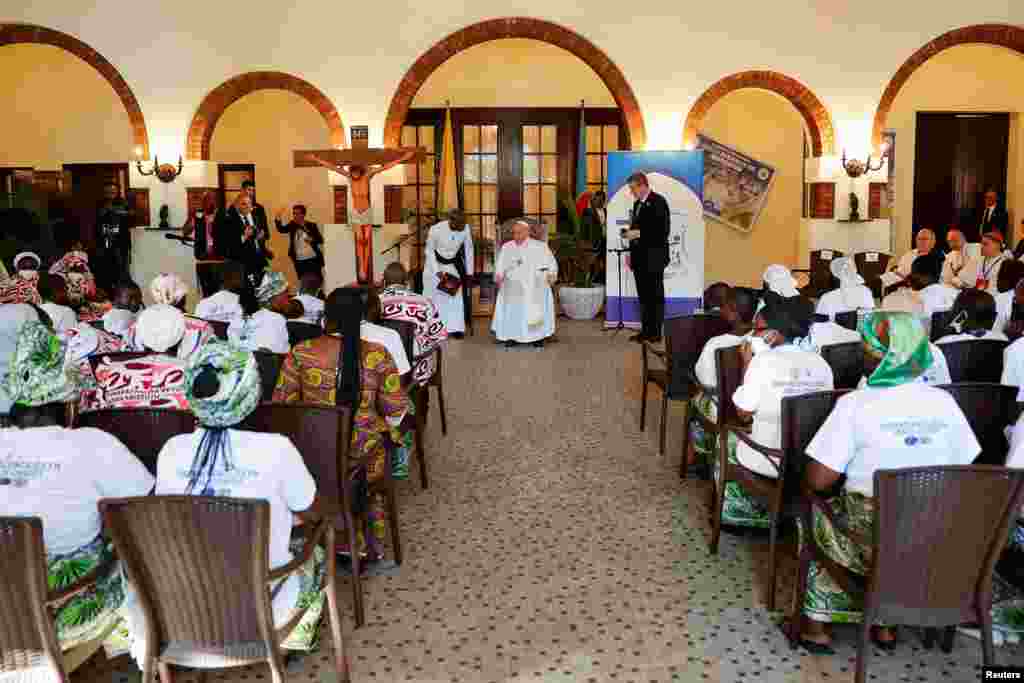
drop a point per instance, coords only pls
(437, 382)
(199, 566)
(847, 363)
(940, 325)
(323, 435)
(936, 537)
(28, 640)
(975, 360)
(270, 368)
(685, 337)
(872, 270)
(989, 409)
(820, 274)
(220, 329)
(847, 319)
(144, 431)
(299, 332)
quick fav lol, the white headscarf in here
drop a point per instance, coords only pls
(117, 321)
(160, 327)
(844, 269)
(780, 280)
(167, 288)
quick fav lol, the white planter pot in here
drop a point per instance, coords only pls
(581, 303)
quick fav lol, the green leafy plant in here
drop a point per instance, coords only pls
(573, 250)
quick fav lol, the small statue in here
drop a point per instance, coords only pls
(164, 213)
(854, 207)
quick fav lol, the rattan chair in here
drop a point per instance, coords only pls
(975, 360)
(820, 273)
(847, 363)
(323, 435)
(989, 409)
(872, 265)
(144, 431)
(936, 537)
(29, 650)
(199, 566)
(685, 337)
(270, 369)
(299, 332)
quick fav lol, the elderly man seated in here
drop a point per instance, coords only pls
(924, 243)
(524, 273)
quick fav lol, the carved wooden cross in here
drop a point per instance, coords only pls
(360, 164)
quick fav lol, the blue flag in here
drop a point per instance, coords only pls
(581, 157)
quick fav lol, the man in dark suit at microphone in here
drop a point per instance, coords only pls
(648, 254)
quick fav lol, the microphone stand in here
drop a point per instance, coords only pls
(622, 325)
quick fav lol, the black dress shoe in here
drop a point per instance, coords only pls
(539, 344)
(509, 344)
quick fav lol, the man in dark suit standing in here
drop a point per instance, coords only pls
(992, 217)
(648, 254)
(242, 239)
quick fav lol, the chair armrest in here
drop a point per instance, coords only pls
(773, 455)
(312, 542)
(660, 353)
(57, 598)
(817, 502)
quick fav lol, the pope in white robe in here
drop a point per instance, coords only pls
(444, 240)
(524, 273)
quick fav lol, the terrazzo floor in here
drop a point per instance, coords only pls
(555, 544)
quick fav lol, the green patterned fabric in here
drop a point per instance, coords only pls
(738, 509)
(825, 600)
(272, 284)
(37, 375)
(240, 387)
(305, 637)
(93, 613)
(905, 355)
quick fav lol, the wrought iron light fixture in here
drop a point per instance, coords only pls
(165, 172)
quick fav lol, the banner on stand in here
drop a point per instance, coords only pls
(679, 177)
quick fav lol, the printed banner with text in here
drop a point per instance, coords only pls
(735, 185)
(678, 177)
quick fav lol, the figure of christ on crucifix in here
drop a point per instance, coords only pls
(360, 165)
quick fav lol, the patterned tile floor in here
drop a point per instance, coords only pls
(555, 544)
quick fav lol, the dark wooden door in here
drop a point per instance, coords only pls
(957, 157)
(87, 183)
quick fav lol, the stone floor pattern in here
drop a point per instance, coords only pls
(555, 544)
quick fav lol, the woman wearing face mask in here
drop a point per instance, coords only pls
(985, 270)
(973, 316)
(777, 363)
(851, 295)
(23, 287)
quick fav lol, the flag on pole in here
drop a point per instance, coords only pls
(581, 156)
(447, 185)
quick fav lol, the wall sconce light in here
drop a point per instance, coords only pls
(855, 168)
(165, 172)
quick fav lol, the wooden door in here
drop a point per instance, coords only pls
(87, 183)
(231, 177)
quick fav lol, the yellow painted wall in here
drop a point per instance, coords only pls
(264, 128)
(514, 73)
(963, 78)
(768, 128)
(58, 109)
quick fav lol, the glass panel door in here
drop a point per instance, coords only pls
(480, 189)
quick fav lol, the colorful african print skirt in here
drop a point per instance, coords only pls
(825, 600)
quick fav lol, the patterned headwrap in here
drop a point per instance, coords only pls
(905, 357)
(239, 379)
(74, 268)
(780, 280)
(168, 288)
(273, 283)
(37, 375)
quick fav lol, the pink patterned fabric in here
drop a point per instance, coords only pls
(399, 303)
(18, 290)
(155, 381)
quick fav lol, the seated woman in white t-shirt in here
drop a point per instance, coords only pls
(223, 386)
(851, 295)
(736, 306)
(973, 315)
(895, 421)
(310, 286)
(777, 364)
(223, 305)
(59, 475)
(264, 325)
(55, 302)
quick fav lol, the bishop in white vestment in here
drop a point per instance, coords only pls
(443, 255)
(524, 272)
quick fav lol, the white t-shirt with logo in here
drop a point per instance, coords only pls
(60, 474)
(221, 307)
(1013, 367)
(264, 329)
(935, 298)
(705, 369)
(845, 300)
(771, 376)
(826, 334)
(264, 466)
(912, 425)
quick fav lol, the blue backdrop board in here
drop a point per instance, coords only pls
(679, 177)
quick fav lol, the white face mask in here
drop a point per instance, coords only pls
(28, 274)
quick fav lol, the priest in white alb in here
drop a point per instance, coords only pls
(524, 273)
(448, 266)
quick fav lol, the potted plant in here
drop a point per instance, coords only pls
(579, 297)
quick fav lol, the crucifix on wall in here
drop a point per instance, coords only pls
(360, 164)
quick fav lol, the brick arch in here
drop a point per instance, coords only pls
(515, 27)
(200, 130)
(814, 113)
(12, 34)
(1003, 35)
